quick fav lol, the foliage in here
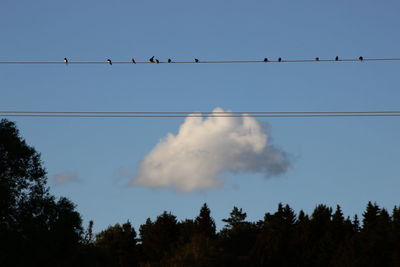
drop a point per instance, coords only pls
(36, 229)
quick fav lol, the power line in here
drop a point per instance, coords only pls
(199, 112)
(225, 114)
(265, 60)
(200, 116)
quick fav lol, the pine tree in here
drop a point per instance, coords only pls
(370, 216)
(337, 217)
(159, 238)
(119, 243)
(356, 224)
(237, 216)
(204, 222)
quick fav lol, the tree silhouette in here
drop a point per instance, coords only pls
(35, 228)
(159, 238)
(119, 243)
(275, 240)
(22, 178)
(237, 238)
(237, 217)
(204, 223)
(370, 216)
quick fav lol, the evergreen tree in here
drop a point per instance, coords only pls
(370, 216)
(337, 218)
(237, 238)
(159, 238)
(356, 224)
(275, 241)
(237, 217)
(204, 223)
(118, 243)
(396, 219)
(396, 236)
(88, 237)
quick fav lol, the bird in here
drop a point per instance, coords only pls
(66, 60)
(361, 58)
(196, 60)
(337, 58)
(151, 59)
(265, 59)
(109, 61)
(279, 59)
(133, 61)
(157, 61)
(317, 59)
(169, 60)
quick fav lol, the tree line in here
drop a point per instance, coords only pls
(38, 229)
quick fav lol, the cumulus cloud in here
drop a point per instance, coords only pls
(65, 177)
(206, 148)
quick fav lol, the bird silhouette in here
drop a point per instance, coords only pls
(66, 60)
(361, 58)
(317, 59)
(337, 58)
(109, 61)
(265, 59)
(196, 60)
(157, 61)
(280, 59)
(151, 59)
(133, 61)
(169, 60)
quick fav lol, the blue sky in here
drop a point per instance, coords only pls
(346, 161)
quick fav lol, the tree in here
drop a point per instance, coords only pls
(237, 217)
(88, 237)
(22, 178)
(119, 243)
(204, 223)
(356, 224)
(237, 238)
(199, 251)
(159, 238)
(197, 241)
(321, 237)
(396, 235)
(337, 217)
(396, 219)
(275, 240)
(35, 228)
(370, 216)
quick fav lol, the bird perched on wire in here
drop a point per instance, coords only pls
(279, 59)
(265, 59)
(317, 59)
(109, 61)
(157, 61)
(151, 59)
(66, 60)
(133, 61)
(337, 58)
(361, 58)
(196, 60)
(169, 60)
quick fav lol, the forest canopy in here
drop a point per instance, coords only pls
(38, 229)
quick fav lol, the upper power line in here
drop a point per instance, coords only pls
(153, 60)
(179, 114)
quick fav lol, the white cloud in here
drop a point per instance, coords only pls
(204, 148)
(65, 177)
